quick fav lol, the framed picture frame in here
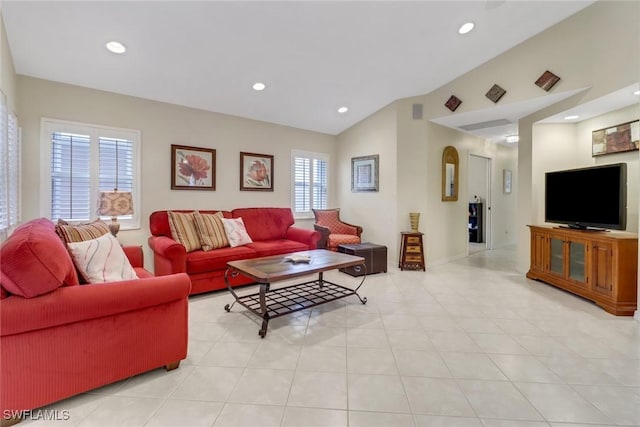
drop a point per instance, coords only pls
(616, 139)
(506, 181)
(256, 172)
(364, 173)
(193, 168)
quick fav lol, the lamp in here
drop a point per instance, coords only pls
(115, 203)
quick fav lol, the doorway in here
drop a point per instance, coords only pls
(479, 219)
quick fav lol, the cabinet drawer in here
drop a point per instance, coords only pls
(413, 258)
(411, 240)
(413, 249)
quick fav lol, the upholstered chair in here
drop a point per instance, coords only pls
(334, 232)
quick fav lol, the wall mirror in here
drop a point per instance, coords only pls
(450, 166)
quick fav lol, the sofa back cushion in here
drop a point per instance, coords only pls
(184, 231)
(35, 261)
(159, 220)
(265, 223)
(211, 231)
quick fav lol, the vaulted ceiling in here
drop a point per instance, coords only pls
(313, 56)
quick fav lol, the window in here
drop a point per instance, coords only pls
(310, 185)
(84, 160)
(9, 169)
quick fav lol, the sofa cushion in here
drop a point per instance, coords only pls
(101, 260)
(236, 232)
(183, 230)
(277, 247)
(265, 223)
(203, 262)
(159, 220)
(78, 233)
(211, 230)
(35, 261)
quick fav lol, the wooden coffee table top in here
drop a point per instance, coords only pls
(274, 268)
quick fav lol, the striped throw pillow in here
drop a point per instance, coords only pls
(183, 230)
(79, 233)
(211, 231)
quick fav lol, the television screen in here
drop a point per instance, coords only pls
(588, 197)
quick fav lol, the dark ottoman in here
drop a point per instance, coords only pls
(375, 258)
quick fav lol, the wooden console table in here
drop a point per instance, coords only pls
(598, 265)
(411, 251)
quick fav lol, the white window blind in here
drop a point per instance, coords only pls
(85, 160)
(310, 182)
(9, 169)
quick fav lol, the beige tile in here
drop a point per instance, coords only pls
(383, 393)
(498, 399)
(421, 364)
(275, 356)
(231, 354)
(208, 383)
(472, 366)
(453, 341)
(371, 338)
(498, 343)
(617, 403)
(442, 421)
(263, 387)
(371, 361)
(122, 411)
(311, 417)
(436, 397)
(379, 419)
(319, 390)
(239, 415)
(409, 340)
(524, 368)
(185, 413)
(323, 359)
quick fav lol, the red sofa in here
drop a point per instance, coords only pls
(63, 338)
(271, 230)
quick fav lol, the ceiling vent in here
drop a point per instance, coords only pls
(483, 125)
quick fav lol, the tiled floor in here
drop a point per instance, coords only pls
(470, 343)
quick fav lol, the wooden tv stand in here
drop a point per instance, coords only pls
(597, 265)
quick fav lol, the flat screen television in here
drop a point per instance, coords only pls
(593, 197)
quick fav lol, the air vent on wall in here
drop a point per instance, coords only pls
(417, 112)
(483, 125)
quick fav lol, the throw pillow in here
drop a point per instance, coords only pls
(236, 232)
(81, 232)
(211, 231)
(183, 230)
(101, 260)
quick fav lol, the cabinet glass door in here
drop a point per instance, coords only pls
(557, 256)
(577, 264)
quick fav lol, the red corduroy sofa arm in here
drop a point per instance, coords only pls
(70, 304)
(170, 257)
(135, 255)
(304, 235)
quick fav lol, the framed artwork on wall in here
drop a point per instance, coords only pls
(193, 168)
(364, 173)
(506, 181)
(616, 139)
(256, 172)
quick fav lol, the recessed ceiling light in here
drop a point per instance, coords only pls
(511, 139)
(258, 86)
(636, 92)
(116, 47)
(572, 117)
(342, 110)
(466, 27)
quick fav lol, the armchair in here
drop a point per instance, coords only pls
(333, 231)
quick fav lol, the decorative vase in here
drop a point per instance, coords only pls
(414, 218)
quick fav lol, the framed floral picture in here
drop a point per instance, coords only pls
(193, 168)
(256, 172)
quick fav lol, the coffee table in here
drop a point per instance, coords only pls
(271, 303)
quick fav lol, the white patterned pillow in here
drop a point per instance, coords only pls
(236, 232)
(101, 260)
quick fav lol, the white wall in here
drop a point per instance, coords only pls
(162, 125)
(7, 72)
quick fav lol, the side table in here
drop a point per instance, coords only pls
(411, 251)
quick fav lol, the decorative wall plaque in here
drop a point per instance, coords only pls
(453, 103)
(495, 93)
(547, 80)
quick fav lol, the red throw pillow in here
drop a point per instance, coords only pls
(35, 261)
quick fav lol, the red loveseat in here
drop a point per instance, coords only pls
(271, 230)
(59, 338)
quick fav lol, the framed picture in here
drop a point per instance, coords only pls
(506, 181)
(256, 172)
(616, 139)
(364, 173)
(193, 168)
